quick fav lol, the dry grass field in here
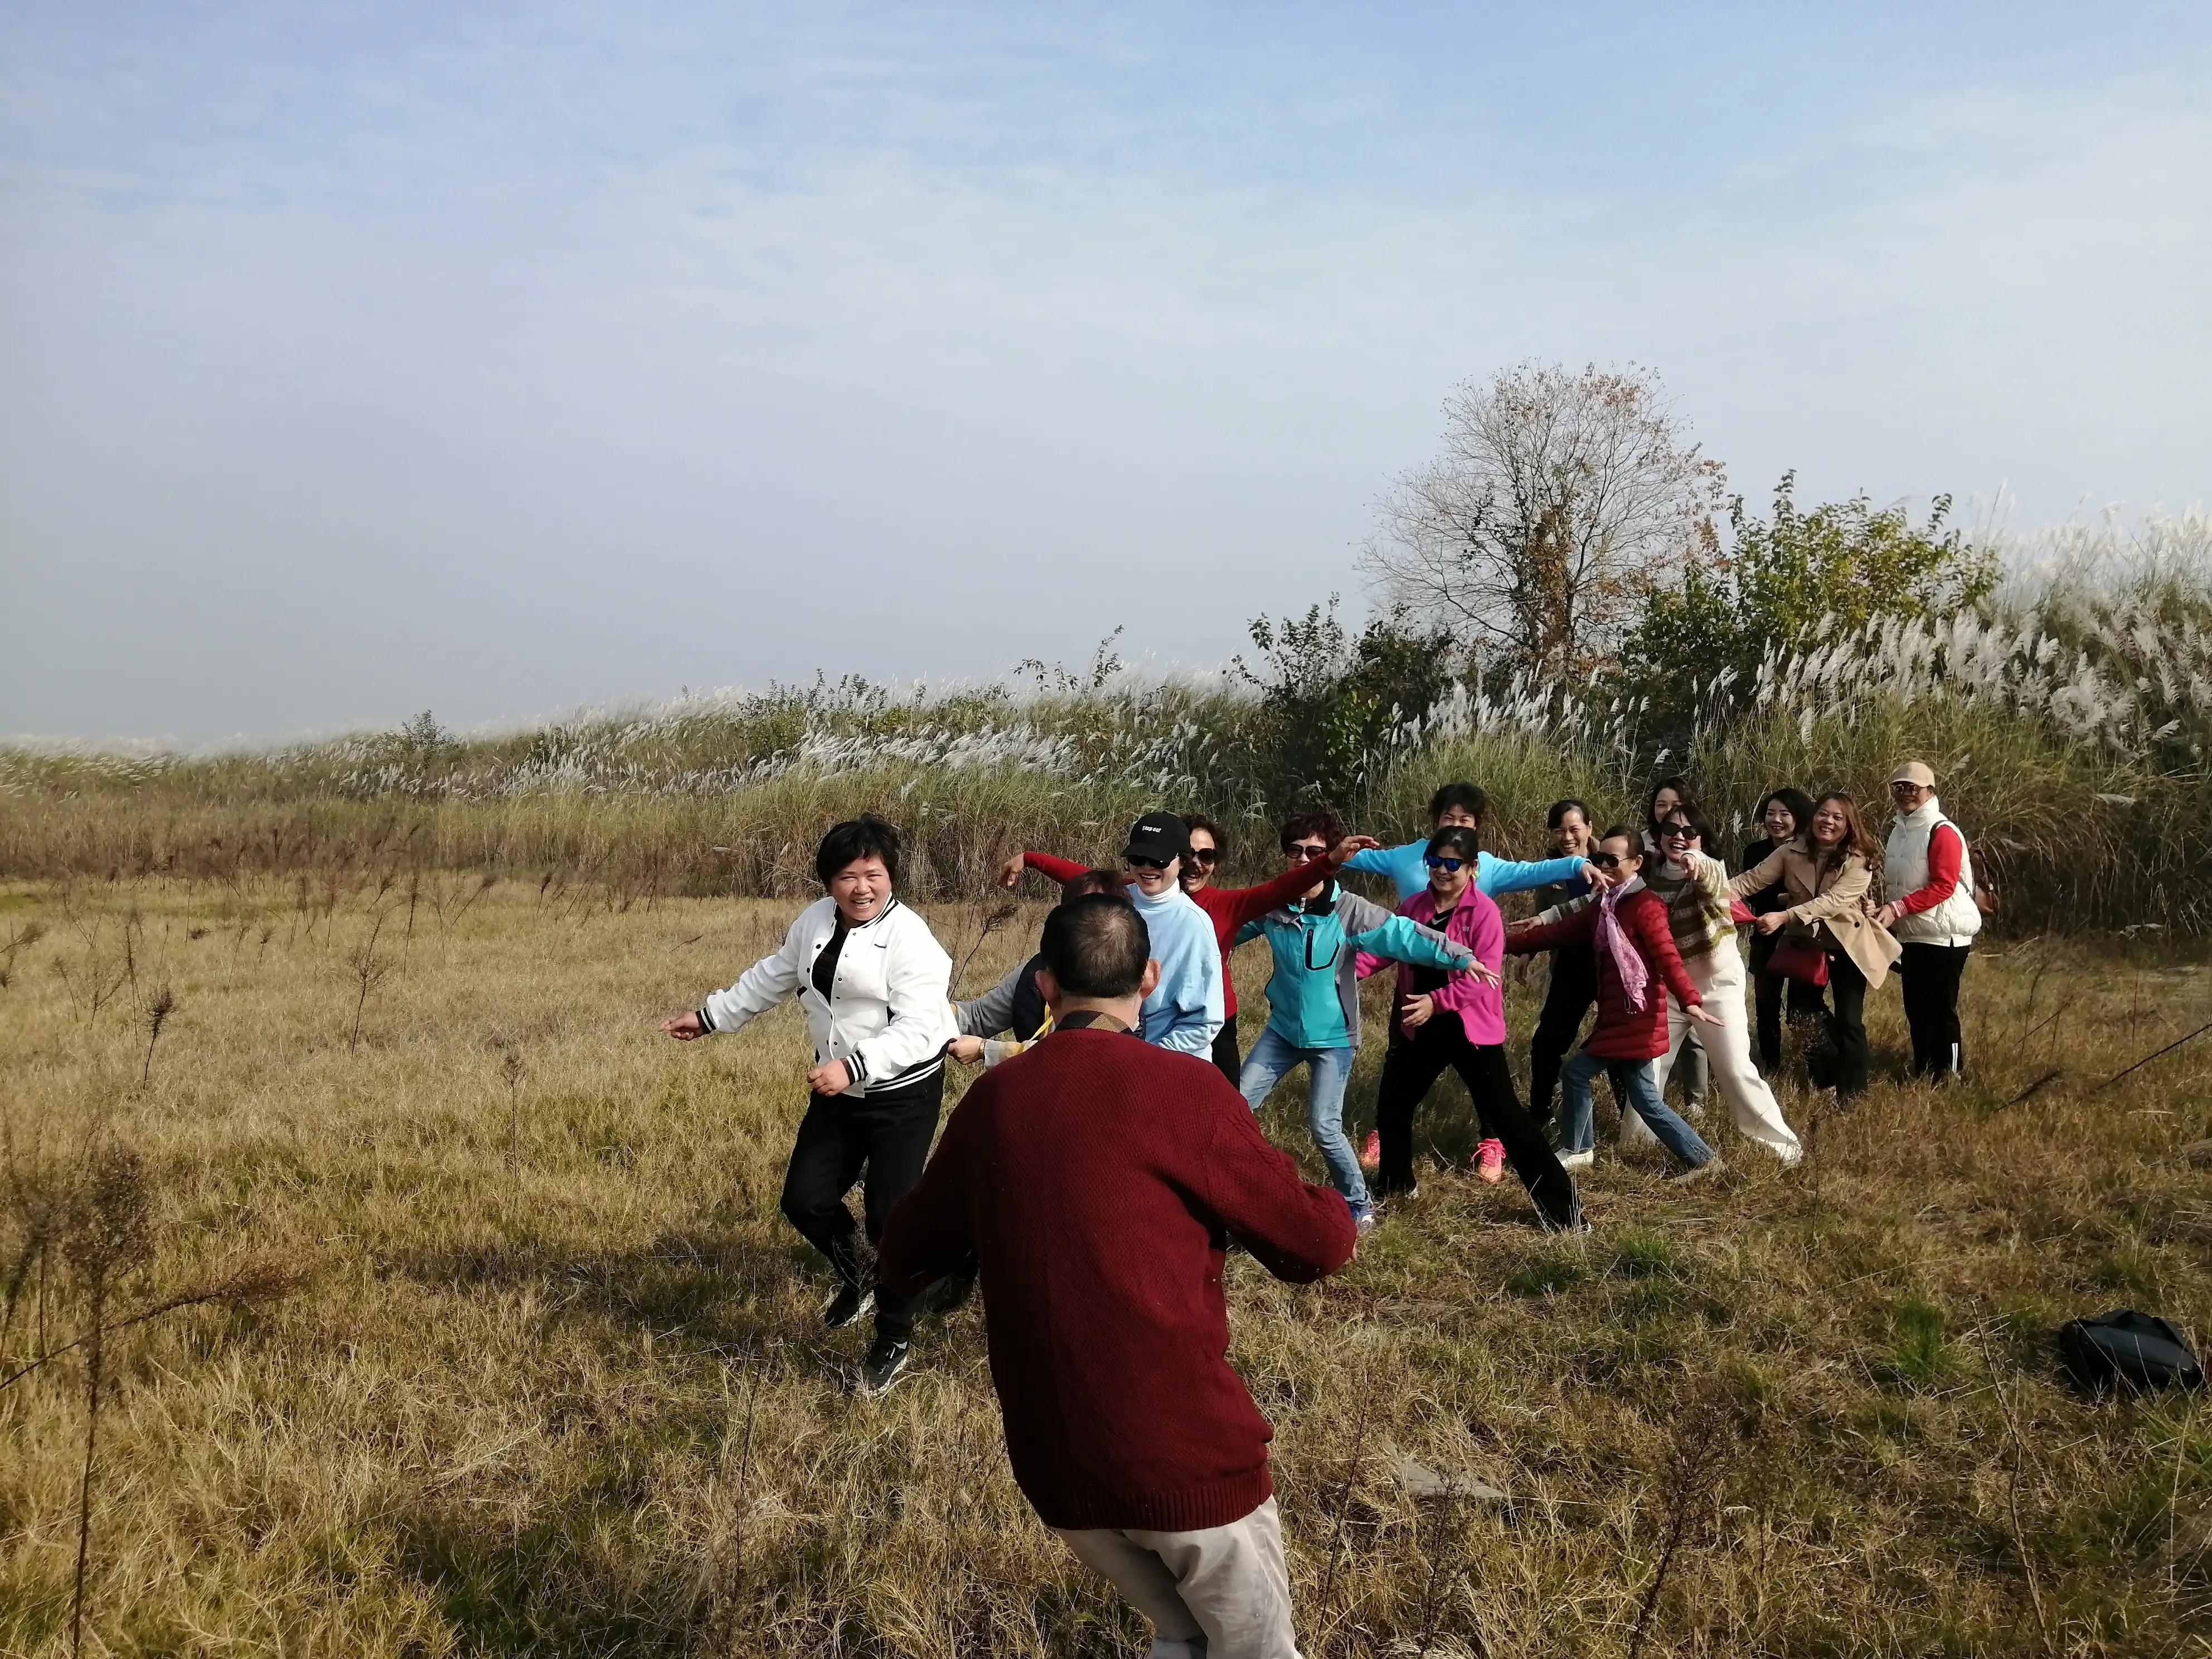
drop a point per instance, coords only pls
(513, 1353)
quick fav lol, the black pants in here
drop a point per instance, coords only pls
(1572, 993)
(887, 1133)
(1771, 991)
(1845, 1028)
(1225, 1057)
(1409, 1072)
(1931, 1006)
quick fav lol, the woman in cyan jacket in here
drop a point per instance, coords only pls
(1319, 943)
(1825, 877)
(876, 986)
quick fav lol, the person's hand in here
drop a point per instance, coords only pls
(1771, 922)
(832, 1076)
(1886, 916)
(683, 1027)
(1694, 861)
(1010, 872)
(1697, 1011)
(1479, 968)
(965, 1049)
(1590, 874)
(1416, 1012)
(1341, 855)
(1526, 925)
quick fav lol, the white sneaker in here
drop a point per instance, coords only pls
(1580, 1160)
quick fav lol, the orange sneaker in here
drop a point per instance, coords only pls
(1370, 1155)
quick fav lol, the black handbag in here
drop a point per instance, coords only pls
(2124, 1349)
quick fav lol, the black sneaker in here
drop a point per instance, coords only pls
(847, 1305)
(885, 1363)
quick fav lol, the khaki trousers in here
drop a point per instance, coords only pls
(1222, 1593)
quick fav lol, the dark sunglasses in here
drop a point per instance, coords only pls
(1677, 832)
(1453, 865)
(1203, 855)
(1305, 852)
(1901, 787)
(1136, 863)
(1606, 860)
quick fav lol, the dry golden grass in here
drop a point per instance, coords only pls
(555, 1380)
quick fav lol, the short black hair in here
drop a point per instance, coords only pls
(1299, 825)
(1622, 832)
(1472, 796)
(1676, 782)
(1090, 881)
(1097, 946)
(1556, 813)
(865, 838)
(1794, 801)
(1199, 821)
(1457, 841)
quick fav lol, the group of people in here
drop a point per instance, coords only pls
(1095, 1175)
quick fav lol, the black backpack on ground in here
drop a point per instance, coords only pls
(2128, 1350)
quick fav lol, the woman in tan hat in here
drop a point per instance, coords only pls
(1825, 874)
(1934, 916)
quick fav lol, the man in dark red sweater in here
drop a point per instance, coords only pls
(1097, 1180)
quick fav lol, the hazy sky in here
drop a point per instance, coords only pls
(359, 359)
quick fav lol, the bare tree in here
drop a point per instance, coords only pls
(1558, 501)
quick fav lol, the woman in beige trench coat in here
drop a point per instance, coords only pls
(1827, 877)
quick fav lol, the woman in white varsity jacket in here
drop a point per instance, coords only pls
(1933, 914)
(874, 982)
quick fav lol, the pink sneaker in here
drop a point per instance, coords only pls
(1490, 1160)
(1370, 1155)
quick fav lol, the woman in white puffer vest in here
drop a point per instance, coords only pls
(1933, 916)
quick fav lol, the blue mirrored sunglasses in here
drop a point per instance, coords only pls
(1452, 864)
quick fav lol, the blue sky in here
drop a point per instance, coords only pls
(356, 360)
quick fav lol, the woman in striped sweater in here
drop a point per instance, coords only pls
(1694, 888)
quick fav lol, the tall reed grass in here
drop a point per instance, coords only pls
(2069, 721)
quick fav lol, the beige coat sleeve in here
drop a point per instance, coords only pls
(1842, 896)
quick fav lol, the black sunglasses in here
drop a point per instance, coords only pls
(1453, 865)
(1608, 861)
(1203, 855)
(1677, 832)
(1136, 863)
(1306, 851)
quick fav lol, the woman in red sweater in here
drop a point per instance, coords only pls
(1228, 908)
(1637, 966)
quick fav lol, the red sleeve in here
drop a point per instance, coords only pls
(1946, 852)
(1053, 869)
(1243, 904)
(1550, 935)
(1297, 1232)
(928, 1233)
(1650, 921)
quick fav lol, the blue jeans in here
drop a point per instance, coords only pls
(1634, 1082)
(1270, 1060)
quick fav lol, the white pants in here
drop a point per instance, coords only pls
(1719, 978)
(1222, 1593)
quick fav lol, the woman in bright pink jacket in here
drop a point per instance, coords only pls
(1436, 1022)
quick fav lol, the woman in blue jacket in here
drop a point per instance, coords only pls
(1465, 806)
(1313, 999)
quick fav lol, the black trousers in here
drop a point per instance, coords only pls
(1225, 1057)
(1931, 973)
(886, 1132)
(1411, 1068)
(1571, 995)
(1770, 992)
(1846, 1027)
